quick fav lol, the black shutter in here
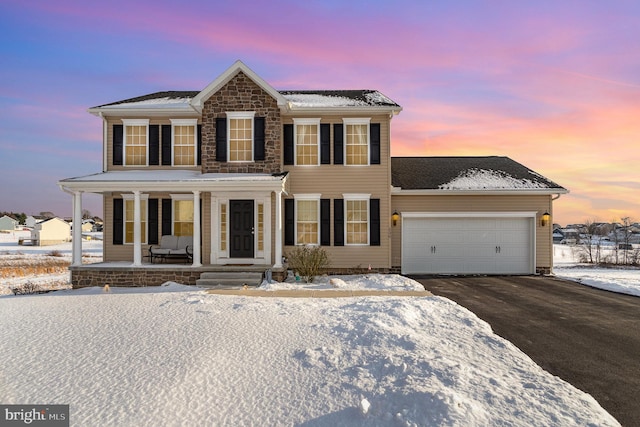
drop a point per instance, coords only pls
(118, 221)
(199, 142)
(287, 132)
(154, 145)
(166, 145)
(375, 143)
(338, 149)
(325, 222)
(117, 144)
(374, 222)
(152, 226)
(338, 222)
(289, 222)
(221, 139)
(325, 144)
(258, 138)
(166, 216)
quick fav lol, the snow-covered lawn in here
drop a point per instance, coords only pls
(175, 355)
(621, 280)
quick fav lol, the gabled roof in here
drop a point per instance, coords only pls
(188, 102)
(229, 74)
(468, 174)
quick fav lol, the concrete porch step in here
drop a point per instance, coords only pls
(227, 279)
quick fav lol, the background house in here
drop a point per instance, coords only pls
(51, 231)
(7, 223)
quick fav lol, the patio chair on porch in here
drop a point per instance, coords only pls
(172, 247)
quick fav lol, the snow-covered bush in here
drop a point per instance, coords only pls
(308, 261)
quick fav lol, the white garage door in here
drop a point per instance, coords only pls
(467, 245)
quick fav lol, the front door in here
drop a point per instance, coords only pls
(242, 228)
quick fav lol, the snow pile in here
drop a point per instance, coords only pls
(383, 282)
(476, 179)
(148, 357)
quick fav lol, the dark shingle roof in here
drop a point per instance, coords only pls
(171, 94)
(363, 96)
(465, 173)
(305, 97)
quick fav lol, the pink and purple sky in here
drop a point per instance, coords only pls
(554, 85)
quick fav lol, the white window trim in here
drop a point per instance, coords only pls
(297, 122)
(356, 121)
(134, 122)
(145, 232)
(307, 197)
(184, 122)
(357, 197)
(240, 115)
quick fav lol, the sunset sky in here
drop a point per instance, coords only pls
(554, 85)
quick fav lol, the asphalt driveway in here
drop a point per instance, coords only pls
(588, 337)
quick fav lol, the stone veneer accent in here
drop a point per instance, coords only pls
(87, 276)
(242, 94)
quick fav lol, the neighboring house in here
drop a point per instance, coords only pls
(51, 231)
(250, 172)
(567, 236)
(31, 220)
(7, 223)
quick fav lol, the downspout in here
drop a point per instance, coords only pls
(104, 141)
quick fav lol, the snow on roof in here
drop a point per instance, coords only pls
(475, 179)
(301, 99)
(338, 98)
(154, 103)
(171, 176)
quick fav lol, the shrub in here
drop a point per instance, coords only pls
(55, 253)
(308, 261)
(27, 288)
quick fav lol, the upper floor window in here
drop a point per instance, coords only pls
(356, 136)
(307, 147)
(184, 142)
(240, 136)
(136, 137)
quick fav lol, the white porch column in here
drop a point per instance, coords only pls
(278, 253)
(137, 228)
(196, 229)
(76, 252)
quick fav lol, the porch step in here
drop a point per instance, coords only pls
(228, 279)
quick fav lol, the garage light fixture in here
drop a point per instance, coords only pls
(395, 217)
(545, 219)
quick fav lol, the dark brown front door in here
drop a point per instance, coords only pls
(242, 228)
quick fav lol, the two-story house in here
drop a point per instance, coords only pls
(249, 172)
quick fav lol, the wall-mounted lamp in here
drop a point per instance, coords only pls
(545, 219)
(395, 217)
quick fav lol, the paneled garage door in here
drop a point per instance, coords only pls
(467, 245)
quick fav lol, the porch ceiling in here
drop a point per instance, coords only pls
(174, 180)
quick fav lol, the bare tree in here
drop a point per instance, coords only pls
(86, 214)
(47, 214)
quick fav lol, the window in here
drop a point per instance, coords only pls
(260, 227)
(183, 217)
(357, 219)
(223, 227)
(307, 219)
(240, 128)
(356, 141)
(306, 141)
(129, 218)
(184, 142)
(136, 135)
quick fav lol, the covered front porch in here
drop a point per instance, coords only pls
(234, 221)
